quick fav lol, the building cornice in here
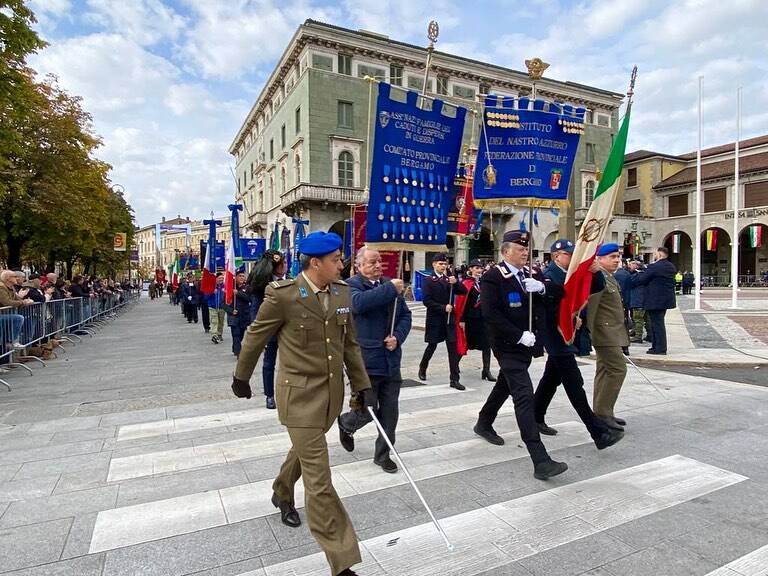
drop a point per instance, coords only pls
(383, 49)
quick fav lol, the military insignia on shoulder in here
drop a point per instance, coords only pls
(282, 283)
(303, 292)
(340, 282)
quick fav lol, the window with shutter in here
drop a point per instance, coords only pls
(678, 205)
(714, 200)
(756, 194)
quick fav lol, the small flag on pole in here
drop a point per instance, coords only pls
(712, 240)
(676, 243)
(756, 236)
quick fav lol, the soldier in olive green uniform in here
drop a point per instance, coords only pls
(316, 338)
(605, 320)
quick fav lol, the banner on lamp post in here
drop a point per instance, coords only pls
(120, 242)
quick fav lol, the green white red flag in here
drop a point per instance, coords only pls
(175, 273)
(230, 271)
(579, 279)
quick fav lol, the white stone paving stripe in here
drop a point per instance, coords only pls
(274, 444)
(753, 564)
(493, 537)
(129, 525)
(222, 419)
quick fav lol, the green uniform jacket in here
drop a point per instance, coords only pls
(315, 348)
(605, 315)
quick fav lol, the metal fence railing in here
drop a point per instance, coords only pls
(27, 329)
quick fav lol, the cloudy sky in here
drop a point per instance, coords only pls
(170, 81)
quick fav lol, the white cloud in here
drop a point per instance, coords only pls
(110, 72)
(230, 39)
(144, 21)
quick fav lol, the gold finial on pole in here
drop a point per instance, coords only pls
(433, 31)
(633, 77)
(536, 67)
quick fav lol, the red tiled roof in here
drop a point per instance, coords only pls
(722, 169)
(730, 147)
(643, 154)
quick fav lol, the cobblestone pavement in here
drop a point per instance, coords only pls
(128, 456)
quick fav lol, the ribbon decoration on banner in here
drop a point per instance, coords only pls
(676, 243)
(756, 236)
(414, 161)
(526, 152)
(711, 240)
(462, 214)
(390, 260)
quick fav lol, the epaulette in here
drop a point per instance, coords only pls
(282, 283)
(340, 282)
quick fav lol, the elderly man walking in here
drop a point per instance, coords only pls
(605, 320)
(659, 282)
(383, 321)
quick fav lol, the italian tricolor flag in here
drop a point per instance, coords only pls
(175, 273)
(579, 279)
(230, 271)
(756, 236)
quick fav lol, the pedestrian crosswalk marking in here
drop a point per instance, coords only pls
(177, 459)
(504, 533)
(128, 525)
(753, 564)
(237, 417)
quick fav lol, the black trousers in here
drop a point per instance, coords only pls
(515, 381)
(190, 311)
(387, 391)
(205, 313)
(453, 358)
(564, 370)
(658, 330)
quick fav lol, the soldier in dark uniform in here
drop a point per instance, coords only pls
(470, 317)
(438, 294)
(561, 364)
(313, 323)
(504, 295)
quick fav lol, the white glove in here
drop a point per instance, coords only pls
(533, 285)
(528, 338)
(189, 297)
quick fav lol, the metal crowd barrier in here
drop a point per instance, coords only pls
(54, 322)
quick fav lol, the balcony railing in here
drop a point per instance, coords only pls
(320, 193)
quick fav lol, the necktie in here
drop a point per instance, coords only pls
(323, 297)
(521, 277)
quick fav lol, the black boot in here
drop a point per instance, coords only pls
(546, 470)
(422, 373)
(488, 376)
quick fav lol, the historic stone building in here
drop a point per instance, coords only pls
(302, 150)
(658, 198)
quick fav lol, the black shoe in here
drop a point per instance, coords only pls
(620, 421)
(546, 470)
(489, 434)
(655, 352)
(458, 385)
(346, 439)
(270, 403)
(636, 341)
(387, 464)
(422, 374)
(207, 331)
(625, 350)
(488, 376)
(608, 438)
(347, 572)
(611, 422)
(546, 430)
(288, 513)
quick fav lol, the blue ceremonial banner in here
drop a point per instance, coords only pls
(526, 151)
(218, 253)
(414, 161)
(252, 248)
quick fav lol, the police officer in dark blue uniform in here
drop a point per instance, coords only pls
(438, 293)
(505, 300)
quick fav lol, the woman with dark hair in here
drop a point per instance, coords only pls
(271, 267)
